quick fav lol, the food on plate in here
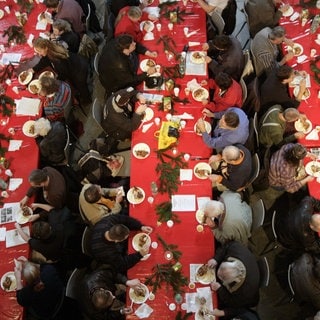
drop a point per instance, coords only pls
(139, 292)
(143, 240)
(6, 284)
(147, 26)
(141, 153)
(306, 93)
(34, 89)
(297, 50)
(23, 76)
(26, 211)
(31, 129)
(197, 55)
(137, 193)
(150, 63)
(305, 125)
(315, 168)
(202, 270)
(198, 93)
(46, 74)
(202, 172)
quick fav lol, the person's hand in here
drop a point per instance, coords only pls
(309, 178)
(289, 56)
(215, 178)
(212, 263)
(302, 84)
(133, 283)
(144, 250)
(151, 54)
(146, 229)
(206, 112)
(203, 83)
(142, 99)
(288, 42)
(34, 206)
(141, 109)
(205, 102)
(24, 201)
(205, 46)
(218, 313)
(151, 70)
(299, 135)
(215, 285)
(200, 125)
(207, 59)
(17, 226)
(284, 8)
(215, 158)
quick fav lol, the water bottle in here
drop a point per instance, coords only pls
(154, 188)
(182, 63)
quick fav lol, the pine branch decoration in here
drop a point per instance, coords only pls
(168, 45)
(164, 212)
(175, 16)
(15, 34)
(4, 101)
(170, 247)
(25, 5)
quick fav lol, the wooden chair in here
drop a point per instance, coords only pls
(97, 113)
(85, 241)
(264, 270)
(84, 217)
(258, 214)
(73, 283)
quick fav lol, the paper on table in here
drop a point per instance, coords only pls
(193, 84)
(206, 293)
(28, 106)
(185, 174)
(193, 271)
(195, 69)
(201, 201)
(296, 81)
(143, 311)
(313, 135)
(153, 97)
(14, 183)
(191, 302)
(3, 234)
(183, 202)
(41, 25)
(14, 239)
(10, 57)
(14, 145)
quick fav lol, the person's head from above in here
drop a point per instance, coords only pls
(223, 81)
(230, 120)
(125, 44)
(60, 26)
(212, 211)
(38, 178)
(44, 47)
(232, 155)
(295, 154)
(134, 13)
(100, 145)
(41, 230)
(30, 272)
(118, 233)
(285, 74)
(123, 96)
(291, 114)
(52, 4)
(231, 272)
(277, 35)
(101, 298)
(42, 126)
(315, 222)
(221, 42)
(93, 193)
(49, 86)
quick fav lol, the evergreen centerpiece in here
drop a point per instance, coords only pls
(15, 35)
(164, 212)
(25, 5)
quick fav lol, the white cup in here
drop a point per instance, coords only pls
(304, 21)
(157, 121)
(170, 26)
(9, 173)
(154, 245)
(187, 91)
(4, 194)
(8, 82)
(183, 124)
(176, 91)
(151, 296)
(186, 157)
(185, 2)
(172, 307)
(313, 52)
(170, 223)
(168, 116)
(7, 9)
(158, 26)
(185, 31)
(150, 200)
(15, 90)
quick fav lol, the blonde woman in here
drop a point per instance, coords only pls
(68, 66)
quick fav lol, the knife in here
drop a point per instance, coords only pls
(198, 158)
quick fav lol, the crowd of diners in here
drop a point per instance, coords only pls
(65, 200)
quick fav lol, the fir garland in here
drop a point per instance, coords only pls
(164, 212)
(175, 15)
(168, 44)
(170, 247)
(315, 69)
(25, 5)
(15, 34)
(4, 101)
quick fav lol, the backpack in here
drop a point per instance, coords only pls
(88, 48)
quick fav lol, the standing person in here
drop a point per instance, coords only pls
(69, 66)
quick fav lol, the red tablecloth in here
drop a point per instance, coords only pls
(196, 247)
(21, 161)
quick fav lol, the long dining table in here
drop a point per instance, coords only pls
(300, 32)
(195, 243)
(26, 157)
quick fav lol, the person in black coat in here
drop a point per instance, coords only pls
(119, 62)
(238, 277)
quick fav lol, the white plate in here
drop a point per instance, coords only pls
(202, 166)
(200, 215)
(305, 95)
(297, 49)
(136, 241)
(197, 316)
(143, 64)
(132, 199)
(200, 94)
(149, 2)
(207, 125)
(148, 115)
(197, 57)
(141, 147)
(139, 299)
(27, 79)
(207, 278)
(20, 218)
(45, 15)
(299, 127)
(27, 127)
(146, 26)
(1, 14)
(288, 12)
(13, 285)
(309, 168)
(34, 84)
(49, 74)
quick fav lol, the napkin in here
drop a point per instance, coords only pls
(193, 68)
(143, 311)
(206, 293)
(301, 58)
(27, 106)
(41, 25)
(193, 43)
(313, 135)
(191, 302)
(193, 85)
(295, 16)
(185, 202)
(155, 11)
(3, 234)
(14, 145)
(185, 116)
(146, 127)
(10, 57)
(296, 81)
(14, 239)
(148, 36)
(185, 174)
(14, 183)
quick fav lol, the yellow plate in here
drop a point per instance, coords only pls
(27, 77)
(20, 218)
(299, 127)
(310, 166)
(34, 86)
(197, 57)
(141, 147)
(200, 94)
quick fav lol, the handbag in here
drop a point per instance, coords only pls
(168, 134)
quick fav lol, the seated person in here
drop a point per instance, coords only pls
(227, 93)
(57, 97)
(119, 62)
(101, 294)
(305, 280)
(213, 5)
(232, 128)
(230, 218)
(225, 55)
(238, 277)
(52, 138)
(108, 243)
(274, 90)
(120, 118)
(298, 226)
(52, 184)
(232, 168)
(63, 34)
(43, 288)
(96, 202)
(273, 125)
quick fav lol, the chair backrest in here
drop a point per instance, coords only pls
(258, 213)
(88, 18)
(264, 270)
(96, 62)
(67, 109)
(248, 66)
(74, 280)
(97, 113)
(251, 144)
(83, 216)
(86, 241)
(244, 90)
(217, 21)
(255, 168)
(290, 281)
(66, 149)
(255, 126)
(253, 101)
(273, 225)
(109, 21)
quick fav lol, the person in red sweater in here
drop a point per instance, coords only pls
(227, 93)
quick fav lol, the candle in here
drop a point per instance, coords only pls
(168, 255)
